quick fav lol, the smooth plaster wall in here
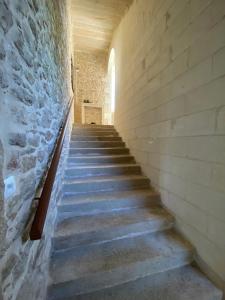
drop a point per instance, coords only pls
(170, 109)
(35, 89)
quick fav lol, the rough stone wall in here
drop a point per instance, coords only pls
(170, 109)
(91, 79)
(34, 92)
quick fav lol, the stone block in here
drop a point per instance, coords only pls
(207, 44)
(219, 62)
(221, 121)
(201, 98)
(18, 139)
(202, 123)
(5, 17)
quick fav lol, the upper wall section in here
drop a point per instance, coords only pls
(95, 21)
(170, 109)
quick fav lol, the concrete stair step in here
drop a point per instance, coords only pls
(97, 144)
(93, 203)
(103, 159)
(94, 267)
(184, 283)
(95, 132)
(92, 126)
(102, 170)
(73, 231)
(110, 183)
(95, 128)
(75, 138)
(98, 151)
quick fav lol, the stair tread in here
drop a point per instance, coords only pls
(102, 166)
(102, 196)
(104, 179)
(92, 223)
(102, 156)
(184, 283)
(97, 148)
(85, 260)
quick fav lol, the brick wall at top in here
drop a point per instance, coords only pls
(34, 92)
(170, 109)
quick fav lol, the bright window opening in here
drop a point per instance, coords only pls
(112, 74)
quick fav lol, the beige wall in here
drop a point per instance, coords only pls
(170, 109)
(91, 79)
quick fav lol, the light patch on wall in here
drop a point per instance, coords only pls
(112, 71)
(10, 187)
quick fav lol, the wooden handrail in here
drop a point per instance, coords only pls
(44, 199)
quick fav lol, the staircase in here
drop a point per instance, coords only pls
(113, 239)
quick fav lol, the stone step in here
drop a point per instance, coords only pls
(93, 267)
(98, 151)
(104, 159)
(110, 183)
(184, 283)
(92, 126)
(95, 127)
(97, 144)
(75, 138)
(73, 231)
(94, 132)
(102, 170)
(94, 203)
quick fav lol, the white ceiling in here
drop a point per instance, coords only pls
(93, 22)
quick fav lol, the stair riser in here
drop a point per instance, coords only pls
(63, 243)
(120, 185)
(97, 144)
(100, 160)
(95, 133)
(120, 275)
(98, 151)
(107, 205)
(93, 126)
(75, 138)
(85, 172)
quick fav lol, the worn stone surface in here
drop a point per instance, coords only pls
(34, 92)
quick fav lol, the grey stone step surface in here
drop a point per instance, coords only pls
(102, 170)
(114, 239)
(90, 203)
(73, 230)
(96, 132)
(93, 267)
(96, 144)
(107, 183)
(101, 159)
(92, 126)
(98, 151)
(95, 138)
(184, 283)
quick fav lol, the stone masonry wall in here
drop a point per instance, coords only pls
(34, 92)
(91, 79)
(170, 109)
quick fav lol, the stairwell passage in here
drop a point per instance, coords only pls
(113, 238)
